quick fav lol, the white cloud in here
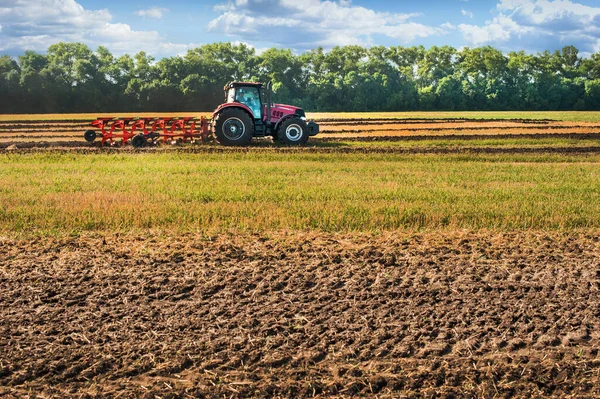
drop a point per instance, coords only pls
(538, 25)
(36, 24)
(154, 12)
(304, 24)
(467, 13)
(501, 29)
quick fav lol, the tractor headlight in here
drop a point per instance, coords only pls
(303, 118)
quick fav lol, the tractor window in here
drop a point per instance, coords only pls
(250, 97)
(230, 96)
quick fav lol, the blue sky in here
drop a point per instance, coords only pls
(166, 28)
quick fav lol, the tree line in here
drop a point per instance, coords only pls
(71, 77)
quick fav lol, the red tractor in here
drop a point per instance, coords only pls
(247, 112)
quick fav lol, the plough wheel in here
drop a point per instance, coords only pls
(138, 141)
(90, 136)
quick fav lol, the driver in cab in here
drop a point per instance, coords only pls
(249, 99)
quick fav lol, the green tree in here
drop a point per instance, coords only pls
(436, 64)
(33, 83)
(71, 78)
(592, 94)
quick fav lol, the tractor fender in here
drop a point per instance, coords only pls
(285, 118)
(232, 105)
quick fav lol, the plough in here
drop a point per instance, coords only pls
(141, 131)
(246, 113)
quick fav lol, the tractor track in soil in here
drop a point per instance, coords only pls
(460, 129)
(570, 135)
(359, 121)
(439, 314)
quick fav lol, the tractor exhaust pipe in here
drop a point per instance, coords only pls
(269, 103)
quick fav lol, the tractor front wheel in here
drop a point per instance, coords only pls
(233, 126)
(293, 131)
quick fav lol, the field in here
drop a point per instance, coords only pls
(496, 129)
(396, 255)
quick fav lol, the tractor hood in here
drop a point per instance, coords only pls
(288, 110)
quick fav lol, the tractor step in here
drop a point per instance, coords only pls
(260, 129)
(143, 130)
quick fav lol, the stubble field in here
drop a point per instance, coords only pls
(396, 255)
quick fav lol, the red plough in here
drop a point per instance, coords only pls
(144, 130)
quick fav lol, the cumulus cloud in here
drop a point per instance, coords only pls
(154, 12)
(36, 24)
(304, 24)
(538, 25)
(467, 13)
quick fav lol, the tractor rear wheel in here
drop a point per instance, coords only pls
(293, 131)
(233, 126)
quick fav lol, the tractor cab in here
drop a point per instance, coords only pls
(248, 94)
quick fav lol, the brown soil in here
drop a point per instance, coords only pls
(359, 121)
(448, 127)
(462, 136)
(446, 132)
(69, 133)
(446, 314)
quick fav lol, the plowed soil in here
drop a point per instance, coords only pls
(69, 133)
(444, 314)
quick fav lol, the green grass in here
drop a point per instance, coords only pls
(56, 193)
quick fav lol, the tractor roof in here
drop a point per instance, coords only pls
(238, 84)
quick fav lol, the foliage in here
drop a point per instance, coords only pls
(70, 77)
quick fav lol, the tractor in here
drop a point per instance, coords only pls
(246, 113)
(249, 112)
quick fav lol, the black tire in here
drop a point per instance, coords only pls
(89, 136)
(233, 126)
(138, 141)
(293, 131)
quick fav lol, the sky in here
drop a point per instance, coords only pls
(170, 27)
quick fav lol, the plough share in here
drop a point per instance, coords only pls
(142, 131)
